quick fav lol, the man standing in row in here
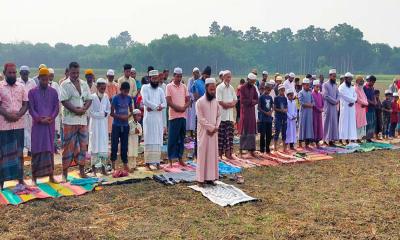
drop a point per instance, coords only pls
(76, 99)
(248, 129)
(127, 78)
(208, 120)
(330, 94)
(347, 118)
(371, 118)
(13, 106)
(178, 101)
(154, 102)
(191, 113)
(111, 90)
(90, 78)
(44, 108)
(29, 84)
(227, 99)
(199, 89)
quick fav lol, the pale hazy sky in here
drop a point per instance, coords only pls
(91, 21)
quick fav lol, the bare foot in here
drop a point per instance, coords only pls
(52, 180)
(83, 175)
(64, 179)
(182, 163)
(148, 167)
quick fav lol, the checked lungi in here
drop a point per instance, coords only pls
(42, 164)
(75, 145)
(225, 136)
(11, 154)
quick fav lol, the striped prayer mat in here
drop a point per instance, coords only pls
(45, 190)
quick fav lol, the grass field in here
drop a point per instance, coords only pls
(354, 196)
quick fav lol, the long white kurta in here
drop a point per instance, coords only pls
(153, 126)
(347, 118)
(208, 118)
(56, 86)
(98, 126)
(30, 84)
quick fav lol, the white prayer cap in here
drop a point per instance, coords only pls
(341, 76)
(51, 70)
(395, 94)
(251, 76)
(332, 71)
(265, 73)
(387, 91)
(281, 86)
(153, 73)
(314, 76)
(196, 69)
(279, 78)
(210, 80)
(136, 111)
(24, 68)
(133, 69)
(289, 91)
(348, 74)
(271, 82)
(110, 72)
(306, 80)
(100, 80)
(226, 72)
(221, 73)
(286, 74)
(292, 75)
(316, 82)
(177, 70)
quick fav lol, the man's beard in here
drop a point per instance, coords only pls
(333, 81)
(348, 84)
(209, 96)
(11, 80)
(154, 84)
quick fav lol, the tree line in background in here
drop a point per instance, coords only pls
(309, 50)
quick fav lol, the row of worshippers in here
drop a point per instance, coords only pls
(327, 112)
(85, 123)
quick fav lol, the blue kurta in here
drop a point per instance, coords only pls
(306, 131)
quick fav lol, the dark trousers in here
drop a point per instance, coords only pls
(176, 138)
(392, 130)
(386, 126)
(265, 129)
(280, 128)
(119, 134)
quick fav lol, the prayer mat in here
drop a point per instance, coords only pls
(170, 178)
(45, 189)
(176, 167)
(264, 162)
(223, 168)
(223, 194)
(140, 174)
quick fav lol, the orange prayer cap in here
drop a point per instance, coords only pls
(89, 71)
(44, 71)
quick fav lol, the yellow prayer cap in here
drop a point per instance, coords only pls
(89, 71)
(359, 77)
(42, 66)
(44, 71)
